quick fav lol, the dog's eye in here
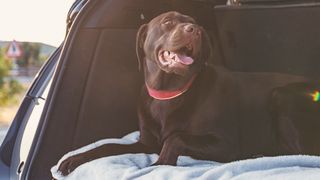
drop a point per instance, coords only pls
(168, 22)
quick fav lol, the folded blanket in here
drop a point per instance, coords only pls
(137, 166)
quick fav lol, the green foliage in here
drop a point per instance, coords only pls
(4, 67)
(31, 54)
(9, 88)
(15, 87)
(9, 91)
(41, 60)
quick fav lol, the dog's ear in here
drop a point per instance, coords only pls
(140, 38)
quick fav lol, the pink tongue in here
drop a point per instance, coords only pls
(184, 59)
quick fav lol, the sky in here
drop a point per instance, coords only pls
(34, 20)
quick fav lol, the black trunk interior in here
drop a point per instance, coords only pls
(98, 81)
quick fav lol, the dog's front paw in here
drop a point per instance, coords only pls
(165, 162)
(71, 163)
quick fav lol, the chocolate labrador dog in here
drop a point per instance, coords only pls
(190, 107)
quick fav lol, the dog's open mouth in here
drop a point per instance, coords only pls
(181, 56)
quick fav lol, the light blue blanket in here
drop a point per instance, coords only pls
(137, 166)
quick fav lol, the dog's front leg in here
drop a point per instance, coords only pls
(208, 147)
(171, 149)
(71, 163)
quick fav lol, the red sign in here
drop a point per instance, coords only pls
(14, 50)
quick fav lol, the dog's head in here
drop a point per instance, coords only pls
(174, 42)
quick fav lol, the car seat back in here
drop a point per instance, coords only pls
(273, 38)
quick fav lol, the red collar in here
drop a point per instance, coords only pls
(166, 95)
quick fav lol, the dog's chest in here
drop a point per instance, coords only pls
(169, 115)
(162, 110)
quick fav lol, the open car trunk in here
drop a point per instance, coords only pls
(97, 82)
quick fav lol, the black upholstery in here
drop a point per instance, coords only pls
(279, 2)
(112, 89)
(271, 38)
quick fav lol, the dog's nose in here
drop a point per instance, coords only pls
(189, 28)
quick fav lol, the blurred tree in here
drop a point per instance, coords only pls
(31, 54)
(42, 60)
(4, 67)
(8, 87)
